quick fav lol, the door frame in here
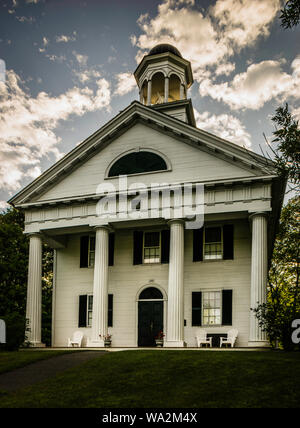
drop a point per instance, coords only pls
(137, 300)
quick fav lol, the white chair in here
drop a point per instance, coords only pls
(230, 339)
(76, 340)
(201, 338)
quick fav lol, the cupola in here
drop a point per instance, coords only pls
(163, 76)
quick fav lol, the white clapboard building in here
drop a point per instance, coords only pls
(130, 259)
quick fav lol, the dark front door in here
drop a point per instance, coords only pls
(150, 322)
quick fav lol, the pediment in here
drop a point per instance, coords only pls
(193, 155)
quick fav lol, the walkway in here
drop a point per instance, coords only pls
(42, 370)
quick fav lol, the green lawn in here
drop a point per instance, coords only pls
(171, 379)
(14, 360)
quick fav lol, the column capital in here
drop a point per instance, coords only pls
(37, 234)
(176, 221)
(103, 227)
(258, 213)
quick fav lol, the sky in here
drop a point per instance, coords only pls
(66, 68)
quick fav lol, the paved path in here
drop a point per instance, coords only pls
(42, 370)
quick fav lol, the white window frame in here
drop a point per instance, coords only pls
(214, 308)
(151, 231)
(204, 243)
(91, 265)
(89, 324)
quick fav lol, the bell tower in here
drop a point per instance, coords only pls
(163, 78)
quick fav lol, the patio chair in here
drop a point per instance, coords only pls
(201, 338)
(230, 339)
(76, 340)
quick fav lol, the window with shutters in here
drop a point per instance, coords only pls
(86, 312)
(151, 247)
(211, 308)
(213, 246)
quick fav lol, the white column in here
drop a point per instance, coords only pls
(34, 292)
(166, 89)
(175, 324)
(259, 272)
(149, 92)
(100, 289)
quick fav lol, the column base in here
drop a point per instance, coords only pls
(175, 344)
(36, 345)
(95, 344)
(258, 344)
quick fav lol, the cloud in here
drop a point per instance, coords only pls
(66, 39)
(28, 124)
(87, 75)
(45, 43)
(208, 39)
(81, 59)
(242, 22)
(126, 83)
(29, 19)
(4, 205)
(225, 126)
(259, 84)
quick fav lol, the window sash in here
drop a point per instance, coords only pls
(151, 253)
(211, 308)
(91, 251)
(89, 310)
(213, 250)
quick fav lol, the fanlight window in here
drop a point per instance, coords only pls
(137, 163)
(151, 293)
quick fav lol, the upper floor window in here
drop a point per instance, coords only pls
(151, 251)
(137, 163)
(213, 243)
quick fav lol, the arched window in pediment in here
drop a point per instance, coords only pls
(137, 163)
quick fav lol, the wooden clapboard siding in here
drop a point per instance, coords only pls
(126, 279)
(188, 163)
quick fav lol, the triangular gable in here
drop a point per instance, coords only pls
(136, 112)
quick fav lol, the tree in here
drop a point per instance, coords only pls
(283, 302)
(290, 14)
(14, 248)
(287, 152)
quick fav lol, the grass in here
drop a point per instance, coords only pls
(14, 360)
(189, 379)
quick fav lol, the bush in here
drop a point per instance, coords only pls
(15, 331)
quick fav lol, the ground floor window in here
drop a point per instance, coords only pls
(212, 308)
(86, 310)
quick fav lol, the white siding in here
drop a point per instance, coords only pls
(126, 280)
(188, 164)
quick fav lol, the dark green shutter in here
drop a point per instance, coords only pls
(196, 308)
(111, 249)
(110, 310)
(137, 248)
(228, 242)
(84, 251)
(165, 246)
(82, 311)
(198, 245)
(227, 307)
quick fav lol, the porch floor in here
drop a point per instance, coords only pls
(117, 349)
